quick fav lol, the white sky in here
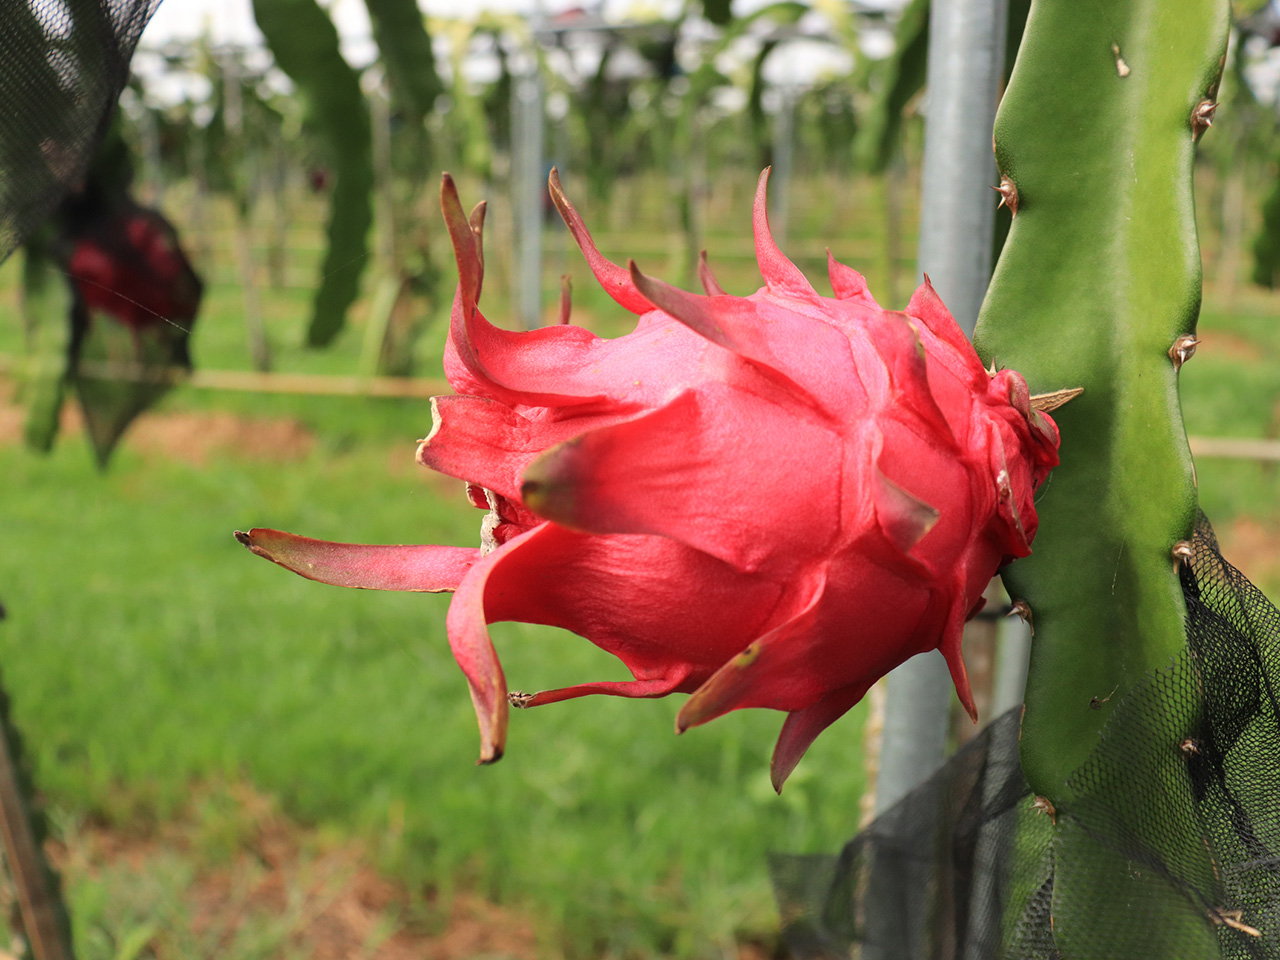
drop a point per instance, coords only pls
(231, 21)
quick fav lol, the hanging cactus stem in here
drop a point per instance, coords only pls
(1108, 603)
(1099, 277)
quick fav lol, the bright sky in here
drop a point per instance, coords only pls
(232, 22)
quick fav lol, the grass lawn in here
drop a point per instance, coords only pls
(147, 651)
(159, 671)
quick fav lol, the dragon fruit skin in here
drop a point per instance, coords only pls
(763, 501)
(128, 265)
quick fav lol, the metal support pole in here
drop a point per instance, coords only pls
(1011, 667)
(528, 182)
(783, 152)
(966, 60)
(233, 120)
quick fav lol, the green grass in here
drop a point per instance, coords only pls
(1231, 388)
(146, 650)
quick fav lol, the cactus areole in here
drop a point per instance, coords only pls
(762, 501)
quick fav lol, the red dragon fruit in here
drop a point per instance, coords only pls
(762, 501)
(127, 264)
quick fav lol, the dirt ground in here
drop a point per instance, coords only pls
(288, 891)
(184, 436)
(321, 900)
(1253, 547)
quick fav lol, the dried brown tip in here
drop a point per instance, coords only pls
(519, 699)
(476, 222)
(1202, 116)
(1048, 402)
(1008, 194)
(557, 191)
(466, 244)
(1182, 553)
(1233, 919)
(1022, 610)
(1183, 349)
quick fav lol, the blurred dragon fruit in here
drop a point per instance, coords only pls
(126, 264)
(763, 501)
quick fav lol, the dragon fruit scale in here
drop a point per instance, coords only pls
(762, 501)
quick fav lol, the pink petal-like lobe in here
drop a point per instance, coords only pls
(644, 476)
(781, 276)
(848, 284)
(615, 280)
(802, 727)
(763, 501)
(418, 569)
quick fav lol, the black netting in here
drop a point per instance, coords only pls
(63, 64)
(1167, 841)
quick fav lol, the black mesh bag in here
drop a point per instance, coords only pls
(63, 64)
(1173, 824)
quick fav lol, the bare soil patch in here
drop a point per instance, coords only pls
(287, 885)
(186, 437)
(195, 437)
(1253, 547)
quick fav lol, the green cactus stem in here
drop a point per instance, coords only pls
(400, 30)
(1098, 283)
(46, 307)
(1100, 277)
(304, 42)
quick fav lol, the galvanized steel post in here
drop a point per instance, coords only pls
(966, 61)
